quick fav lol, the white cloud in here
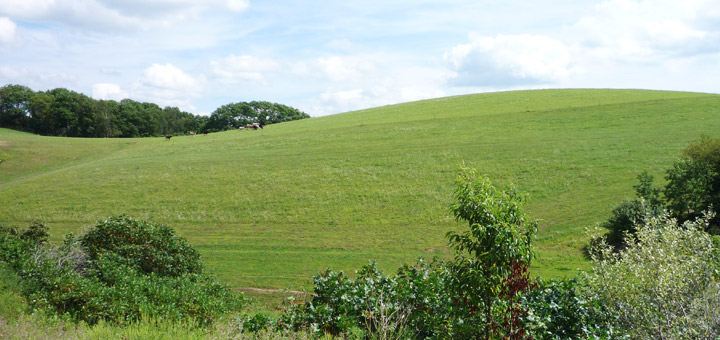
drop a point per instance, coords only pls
(108, 91)
(509, 60)
(362, 81)
(167, 76)
(7, 30)
(238, 5)
(167, 85)
(242, 68)
(650, 31)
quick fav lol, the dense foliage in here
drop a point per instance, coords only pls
(478, 294)
(61, 112)
(149, 248)
(122, 270)
(235, 115)
(492, 257)
(693, 187)
(664, 284)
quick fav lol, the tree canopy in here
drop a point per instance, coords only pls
(61, 112)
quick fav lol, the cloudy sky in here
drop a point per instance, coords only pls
(327, 57)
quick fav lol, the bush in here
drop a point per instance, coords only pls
(558, 309)
(694, 183)
(492, 257)
(341, 304)
(478, 294)
(629, 213)
(625, 217)
(664, 284)
(151, 248)
(99, 277)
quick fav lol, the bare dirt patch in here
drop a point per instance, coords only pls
(270, 291)
(4, 143)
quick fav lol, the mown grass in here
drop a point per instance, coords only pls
(270, 208)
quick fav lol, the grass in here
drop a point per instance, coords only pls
(270, 208)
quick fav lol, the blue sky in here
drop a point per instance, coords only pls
(337, 56)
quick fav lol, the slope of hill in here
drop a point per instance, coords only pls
(269, 208)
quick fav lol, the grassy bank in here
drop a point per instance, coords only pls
(269, 208)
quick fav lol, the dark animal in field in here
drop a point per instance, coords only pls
(168, 137)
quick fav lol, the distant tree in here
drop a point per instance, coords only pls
(43, 120)
(234, 115)
(15, 106)
(62, 112)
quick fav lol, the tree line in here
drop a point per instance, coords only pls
(62, 112)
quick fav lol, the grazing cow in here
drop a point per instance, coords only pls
(167, 137)
(192, 133)
(241, 128)
(255, 126)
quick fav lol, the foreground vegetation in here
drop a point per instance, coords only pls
(663, 285)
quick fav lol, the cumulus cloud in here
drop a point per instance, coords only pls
(108, 91)
(650, 31)
(7, 30)
(362, 81)
(167, 76)
(509, 60)
(242, 68)
(165, 84)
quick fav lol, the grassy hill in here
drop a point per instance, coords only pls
(270, 208)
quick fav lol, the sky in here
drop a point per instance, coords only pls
(327, 57)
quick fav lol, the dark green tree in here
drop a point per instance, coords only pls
(15, 106)
(693, 184)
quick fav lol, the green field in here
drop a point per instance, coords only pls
(270, 208)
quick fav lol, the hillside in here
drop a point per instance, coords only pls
(269, 208)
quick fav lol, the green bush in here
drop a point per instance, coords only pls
(558, 309)
(664, 285)
(151, 248)
(625, 217)
(629, 213)
(341, 304)
(492, 257)
(694, 183)
(118, 287)
(478, 294)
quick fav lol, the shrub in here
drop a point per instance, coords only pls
(341, 304)
(558, 309)
(97, 277)
(151, 248)
(625, 217)
(490, 270)
(477, 295)
(629, 213)
(664, 284)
